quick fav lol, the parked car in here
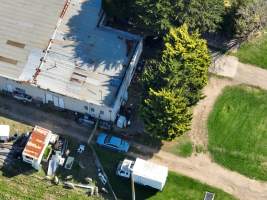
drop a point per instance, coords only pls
(105, 125)
(22, 97)
(85, 120)
(112, 142)
(102, 177)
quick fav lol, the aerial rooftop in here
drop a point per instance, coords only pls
(25, 29)
(150, 170)
(36, 142)
(83, 60)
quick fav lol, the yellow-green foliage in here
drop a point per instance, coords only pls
(166, 113)
(192, 53)
(173, 85)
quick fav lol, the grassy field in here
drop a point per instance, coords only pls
(177, 187)
(20, 182)
(24, 183)
(15, 127)
(254, 52)
(182, 146)
(237, 131)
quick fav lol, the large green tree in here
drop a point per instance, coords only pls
(159, 15)
(204, 15)
(121, 9)
(171, 86)
(189, 59)
(166, 114)
(250, 17)
(158, 74)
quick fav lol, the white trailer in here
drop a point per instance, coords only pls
(144, 172)
(4, 132)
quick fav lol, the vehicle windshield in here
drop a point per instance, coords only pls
(107, 139)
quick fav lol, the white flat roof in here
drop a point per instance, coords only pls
(25, 27)
(4, 130)
(37, 142)
(84, 61)
(150, 170)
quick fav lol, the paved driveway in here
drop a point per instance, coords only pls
(60, 123)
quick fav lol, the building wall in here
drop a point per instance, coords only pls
(128, 77)
(58, 100)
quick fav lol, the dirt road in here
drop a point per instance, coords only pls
(235, 73)
(32, 116)
(198, 132)
(201, 167)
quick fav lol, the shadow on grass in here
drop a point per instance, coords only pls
(121, 186)
(17, 167)
(82, 167)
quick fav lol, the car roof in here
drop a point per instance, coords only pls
(115, 141)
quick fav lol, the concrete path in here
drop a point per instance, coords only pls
(229, 66)
(251, 75)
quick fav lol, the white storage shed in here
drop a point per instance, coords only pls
(149, 174)
(4, 132)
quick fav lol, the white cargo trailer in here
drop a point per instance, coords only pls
(4, 132)
(144, 173)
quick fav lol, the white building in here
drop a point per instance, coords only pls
(4, 132)
(59, 53)
(35, 147)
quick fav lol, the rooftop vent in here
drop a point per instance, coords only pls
(8, 60)
(15, 44)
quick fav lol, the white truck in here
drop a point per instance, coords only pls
(143, 172)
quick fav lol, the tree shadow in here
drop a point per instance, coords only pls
(120, 185)
(16, 168)
(98, 49)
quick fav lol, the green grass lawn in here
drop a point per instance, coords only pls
(254, 52)
(24, 183)
(238, 131)
(177, 187)
(21, 182)
(182, 147)
(15, 127)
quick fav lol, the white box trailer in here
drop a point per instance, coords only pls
(4, 132)
(144, 172)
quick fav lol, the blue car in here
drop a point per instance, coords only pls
(112, 142)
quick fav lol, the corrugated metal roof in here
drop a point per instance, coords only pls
(28, 24)
(36, 142)
(84, 61)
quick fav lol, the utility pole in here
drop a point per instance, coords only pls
(133, 189)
